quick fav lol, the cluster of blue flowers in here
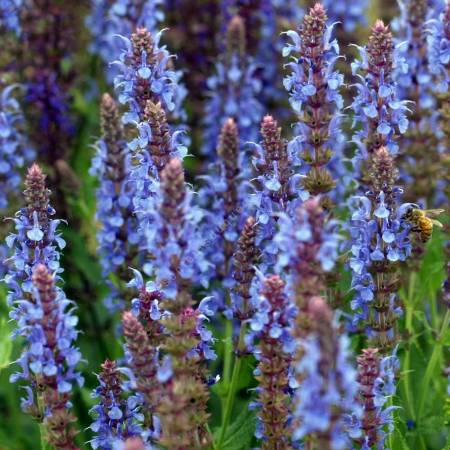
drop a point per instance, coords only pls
(233, 88)
(116, 415)
(15, 151)
(118, 237)
(111, 19)
(328, 382)
(439, 49)
(315, 97)
(296, 234)
(180, 239)
(264, 24)
(47, 324)
(35, 240)
(377, 107)
(145, 76)
(276, 185)
(378, 234)
(9, 15)
(410, 28)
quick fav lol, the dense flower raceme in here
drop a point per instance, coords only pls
(172, 234)
(41, 312)
(308, 247)
(222, 198)
(420, 170)
(9, 15)
(110, 19)
(117, 414)
(379, 242)
(327, 389)
(177, 263)
(376, 378)
(14, 148)
(117, 236)
(439, 49)
(149, 87)
(232, 89)
(314, 86)
(49, 361)
(142, 357)
(264, 20)
(35, 241)
(439, 66)
(378, 110)
(275, 187)
(15, 152)
(270, 325)
(145, 73)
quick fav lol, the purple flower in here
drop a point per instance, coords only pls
(376, 378)
(117, 236)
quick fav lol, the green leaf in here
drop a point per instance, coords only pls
(240, 433)
(5, 343)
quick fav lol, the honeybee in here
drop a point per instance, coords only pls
(422, 221)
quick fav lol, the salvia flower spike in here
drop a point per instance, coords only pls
(314, 86)
(233, 88)
(108, 20)
(275, 188)
(377, 107)
(270, 324)
(116, 415)
(328, 386)
(376, 378)
(15, 152)
(36, 239)
(379, 242)
(118, 232)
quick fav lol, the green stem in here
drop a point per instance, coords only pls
(42, 430)
(409, 329)
(432, 364)
(232, 388)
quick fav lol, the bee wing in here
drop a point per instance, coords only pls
(433, 212)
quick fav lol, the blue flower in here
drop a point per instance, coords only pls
(47, 324)
(316, 93)
(117, 414)
(9, 15)
(379, 235)
(327, 381)
(15, 152)
(376, 105)
(108, 20)
(35, 241)
(439, 50)
(233, 91)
